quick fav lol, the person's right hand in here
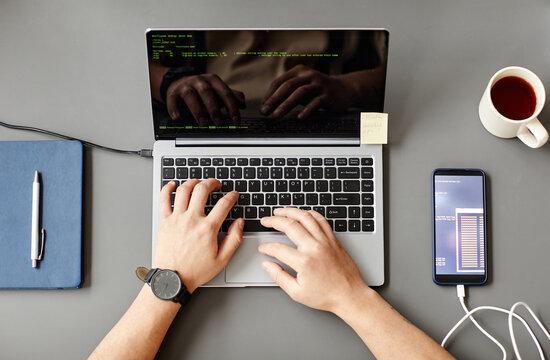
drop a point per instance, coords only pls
(327, 278)
(208, 91)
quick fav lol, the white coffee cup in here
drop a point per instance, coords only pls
(528, 130)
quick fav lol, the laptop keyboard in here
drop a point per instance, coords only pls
(341, 189)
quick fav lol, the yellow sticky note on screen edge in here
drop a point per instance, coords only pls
(374, 128)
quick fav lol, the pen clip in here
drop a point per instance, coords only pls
(43, 235)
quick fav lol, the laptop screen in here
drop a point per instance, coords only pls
(265, 83)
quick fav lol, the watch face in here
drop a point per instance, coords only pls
(166, 284)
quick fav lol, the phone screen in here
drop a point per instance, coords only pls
(459, 226)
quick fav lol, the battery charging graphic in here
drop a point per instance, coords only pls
(470, 254)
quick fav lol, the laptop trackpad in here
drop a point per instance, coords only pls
(246, 264)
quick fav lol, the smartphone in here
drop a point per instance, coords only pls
(459, 227)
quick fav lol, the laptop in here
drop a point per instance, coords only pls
(275, 115)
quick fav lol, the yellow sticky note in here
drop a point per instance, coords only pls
(374, 128)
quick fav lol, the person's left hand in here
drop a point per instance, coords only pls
(304, 86)
(188, 239)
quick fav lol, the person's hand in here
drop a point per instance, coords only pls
(304, 86)
(188, 239)
(204, 95)
(326, 275)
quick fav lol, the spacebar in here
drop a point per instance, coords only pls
(249, 226)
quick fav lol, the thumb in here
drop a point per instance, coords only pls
(232, 241)
(286, 281)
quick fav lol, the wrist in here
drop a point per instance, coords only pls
(354, 302)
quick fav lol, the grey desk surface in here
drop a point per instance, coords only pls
(80, 68)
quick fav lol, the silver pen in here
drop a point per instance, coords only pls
(35, 255)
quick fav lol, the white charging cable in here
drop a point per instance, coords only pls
(461, 293)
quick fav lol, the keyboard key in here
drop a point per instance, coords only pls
(254, 186)
(336, 212)
(236, 212)
(319, 209)
(227, 185)
(354, 225)
(366, 172)
(331, 224)
(267, 161)
(354, 212)
(345, 199)
(182, 173)
(367, 212)
(263, 173)
(230, 162)
(181, 162)
(209, 172)
(193, 162)
(255, 226)
(305, 208)
(225, 226)
(240, 185)
(325, 199)
(348, 173)
(257, 199)
(214, 197)
(366, 161)
(244, 199)
(217, 161)
(250, 212)
(298, 199)
(340, 225)
(281, 186)
(309, 185)
(303, 173)
(354, 162)
(367, 199)
(242, 161)
(330, 173)
(249, 173)
(271, 199)
(316, 172)
(367, 185)
(330, 162)
(223, 173)
(195, 173)
(295, 186)
(304, 161)
(172, 198)
(351, 186)
(167, 162)
(284, 199)
(335, 185)
(276, 172)
(165, 182)
(342, 161)
(264, 211)
(207, 210)
(321, 186)
(255, 161)
(168, 173)
(368, 225)
(290, 173)
(316, 161)
(205, 162)
(236, 173)
(268, 186)
(280, 161)
(292, 161)
(312, 199)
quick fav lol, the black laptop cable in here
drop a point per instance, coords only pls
(142, 152)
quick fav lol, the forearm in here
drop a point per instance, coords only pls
(385, 332)
(140, 331)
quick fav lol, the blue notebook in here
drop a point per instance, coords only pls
(60, 164)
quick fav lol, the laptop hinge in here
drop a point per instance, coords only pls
(268, 142)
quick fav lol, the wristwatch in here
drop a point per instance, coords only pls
(165, 284)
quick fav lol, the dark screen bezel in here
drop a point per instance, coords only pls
(454, 279)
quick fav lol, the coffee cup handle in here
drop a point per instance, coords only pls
(533, 134)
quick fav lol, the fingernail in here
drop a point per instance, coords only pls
(175, 115)
(241, 223)
(277, 112)
(264, 266)
(264, 109)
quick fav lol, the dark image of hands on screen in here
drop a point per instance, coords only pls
(209, 100)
